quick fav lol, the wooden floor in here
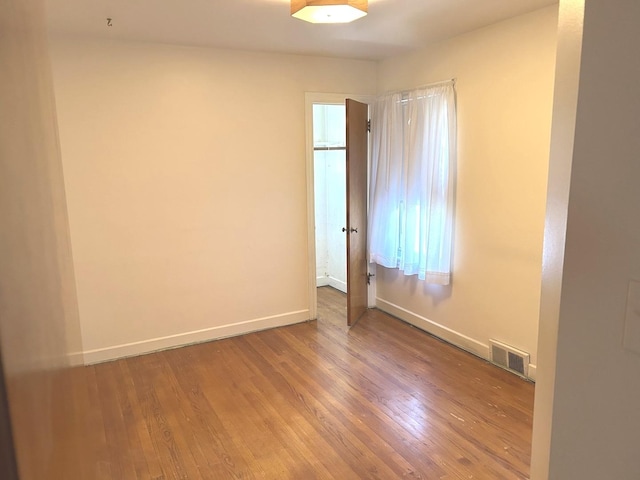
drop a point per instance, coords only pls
(314, 400)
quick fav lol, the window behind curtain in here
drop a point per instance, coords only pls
(412, 182)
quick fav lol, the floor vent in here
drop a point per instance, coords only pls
(510, 358)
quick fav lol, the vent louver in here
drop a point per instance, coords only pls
(509, 358)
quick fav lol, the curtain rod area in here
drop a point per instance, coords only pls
(428, 85)
(435, 84)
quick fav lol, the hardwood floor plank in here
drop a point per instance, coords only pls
(362, 403)
(123, 460)
(223, 458)
(394, 410)
(465, 396)
(301, 402)
(137, 427)
(99, 449)
(311, 401)
(240, 421)
(451, 385)
(163, 417)
(267, 396)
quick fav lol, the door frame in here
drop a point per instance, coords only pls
(313, 98)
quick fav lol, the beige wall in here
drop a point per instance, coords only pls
(562, 140)
(504, 79)
(186, 185)
(595, 429)
(39, 328)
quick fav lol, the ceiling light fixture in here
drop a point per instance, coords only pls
(328, 11)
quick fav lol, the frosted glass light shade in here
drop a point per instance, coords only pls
(328, 11)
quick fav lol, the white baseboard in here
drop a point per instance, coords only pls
(338, 284)
(75, 359)
(440, 331)
(532, 372)
(182, 339)
(445, 333)
(329, 281)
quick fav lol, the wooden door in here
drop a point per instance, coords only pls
(356, 228)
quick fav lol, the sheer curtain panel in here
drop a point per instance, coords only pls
(412, 182)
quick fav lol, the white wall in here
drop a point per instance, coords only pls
(185, 176)
(336, 196)
(596, 403)
(321, 214)
(504, 83)
(331, 213)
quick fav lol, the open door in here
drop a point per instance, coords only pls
(356, 228)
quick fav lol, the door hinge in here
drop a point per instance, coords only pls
(369, 125)
(369, 275)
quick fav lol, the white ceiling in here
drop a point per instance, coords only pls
(392, 26)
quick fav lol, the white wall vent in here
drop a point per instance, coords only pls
(510, 358)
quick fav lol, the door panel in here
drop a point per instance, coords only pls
(357, 142)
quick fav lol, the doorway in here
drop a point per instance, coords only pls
(329, 168)
(328, 197)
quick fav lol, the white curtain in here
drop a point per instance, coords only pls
(412, 182)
